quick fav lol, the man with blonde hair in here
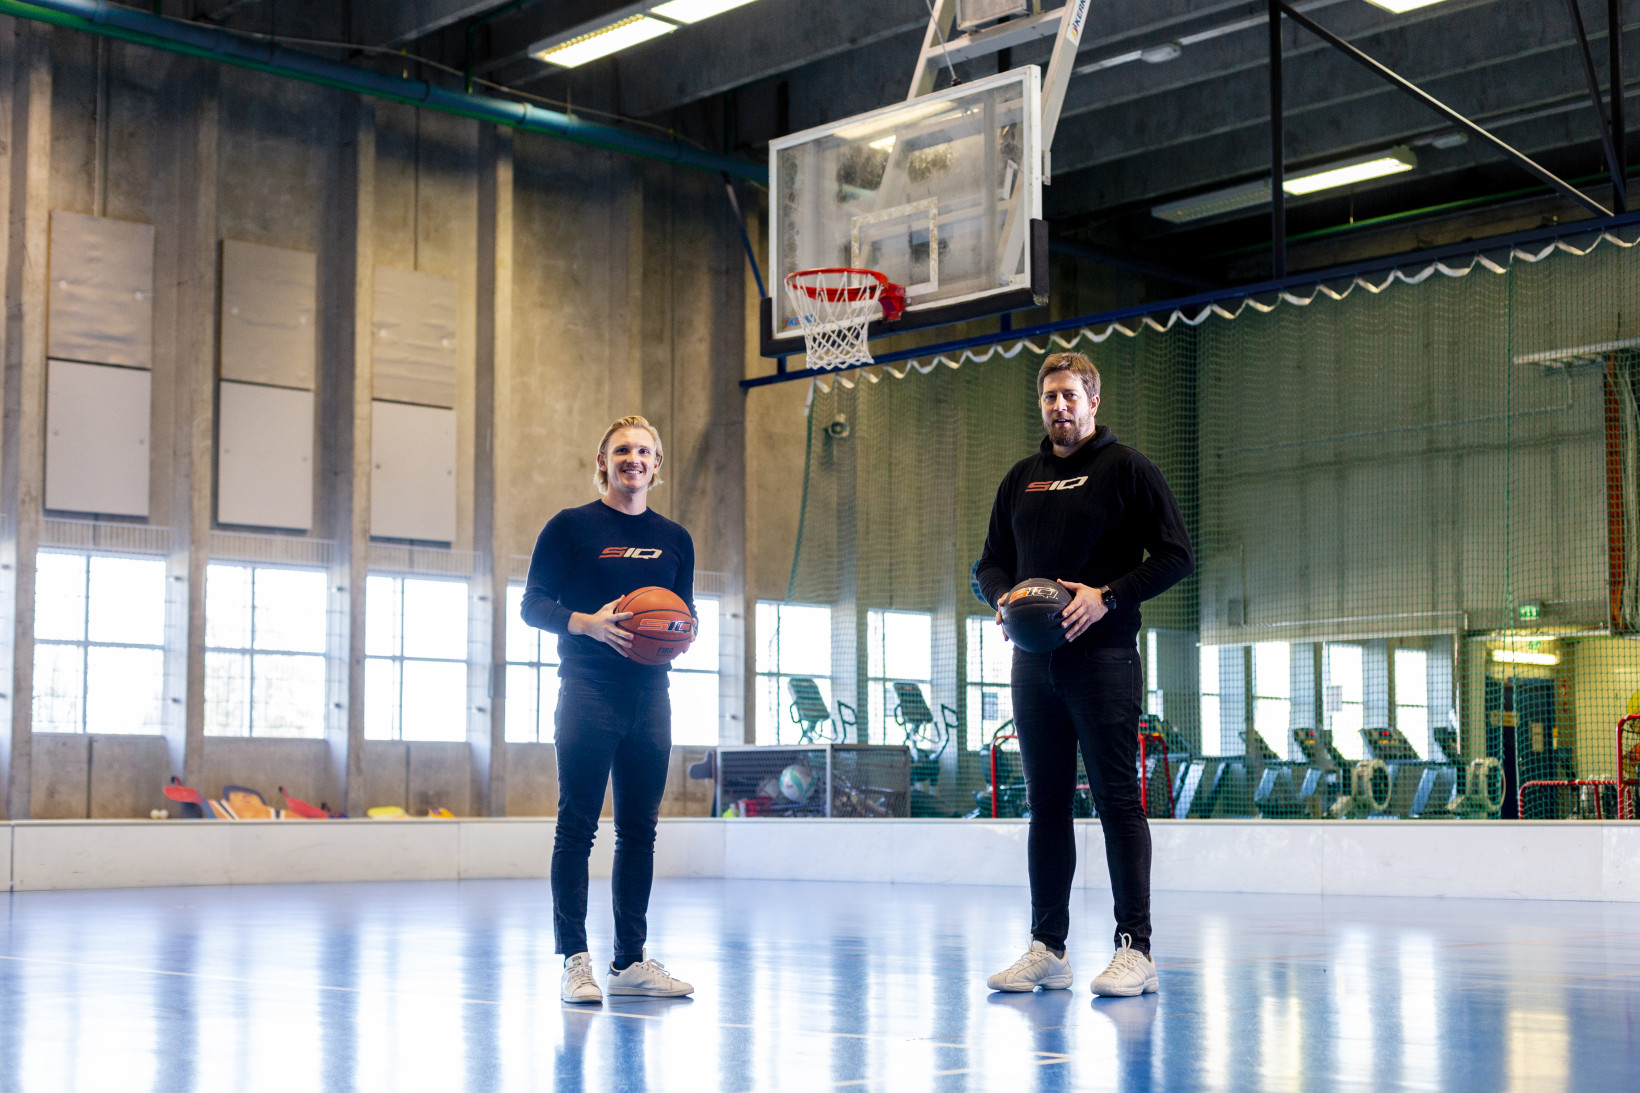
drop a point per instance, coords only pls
(1098, 517)
(614, 715)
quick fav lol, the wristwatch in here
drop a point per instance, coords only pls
(1109, 597)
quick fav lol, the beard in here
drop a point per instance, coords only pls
(1066, 432)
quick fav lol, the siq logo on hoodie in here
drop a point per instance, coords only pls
(631, 552)
(1062, 484)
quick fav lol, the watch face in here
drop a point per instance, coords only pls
(1109, 597)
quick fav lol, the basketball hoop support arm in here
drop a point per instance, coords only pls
(1064, 25)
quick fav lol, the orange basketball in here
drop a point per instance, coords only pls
(661, 626)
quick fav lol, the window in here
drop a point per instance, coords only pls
(1153, 675)
(532, 676)
(1212, 726)
(900, 647)
(1273, 693)
(1412, 697)
(99, 657)
(1346, 698)
(694, 683)
(264, 651)
(415, 675)
(990, 675)
(792, 640)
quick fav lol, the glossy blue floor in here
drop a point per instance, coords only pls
(805, 986)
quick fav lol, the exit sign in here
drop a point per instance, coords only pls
(1531, 610)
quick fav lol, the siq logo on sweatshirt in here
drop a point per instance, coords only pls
(1062, 484)
(630, 552)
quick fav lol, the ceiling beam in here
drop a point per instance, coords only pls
(1467, 70)
(1534, 124)
(396, 22)
(774, 37)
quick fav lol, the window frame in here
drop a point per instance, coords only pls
(1348, 742)
(1421, 745)
(715, 672)
(252, 651)
(1212, 727)
(544, 640)
(399, 659)
(975, 688)
(85, 643)
(877, 686)
(1268, 697)
(779, 714)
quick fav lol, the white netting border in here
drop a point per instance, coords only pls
(1493, 261)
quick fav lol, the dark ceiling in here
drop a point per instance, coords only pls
(1132, 134)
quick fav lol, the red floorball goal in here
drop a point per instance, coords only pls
(1625, 782)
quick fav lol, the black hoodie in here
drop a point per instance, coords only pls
(1090, 518)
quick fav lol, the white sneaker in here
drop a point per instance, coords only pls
(1130, 972)
(578, 985)
(1037, 968)
(647, 978)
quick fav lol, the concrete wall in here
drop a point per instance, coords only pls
(589, 286)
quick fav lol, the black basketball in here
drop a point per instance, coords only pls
(1030, 614)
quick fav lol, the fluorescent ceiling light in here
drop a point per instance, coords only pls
(604, 41)
(1396, 161)
(1398, 6)
(1509, 656)
(1212, 204)
(1251, 194)
(693, 11)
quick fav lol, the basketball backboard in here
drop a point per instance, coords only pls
(942, 193)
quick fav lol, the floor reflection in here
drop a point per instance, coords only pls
(804, 986)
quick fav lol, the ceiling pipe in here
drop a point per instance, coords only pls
(209, 43)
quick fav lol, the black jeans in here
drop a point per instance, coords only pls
(603, 731)
(1088, 698)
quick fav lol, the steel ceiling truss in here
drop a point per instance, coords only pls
(1612, 137)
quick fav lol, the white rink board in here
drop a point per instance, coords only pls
(1563, 860)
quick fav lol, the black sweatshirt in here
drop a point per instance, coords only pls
(1090, 518)
(587, 556)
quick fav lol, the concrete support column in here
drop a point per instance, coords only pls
(493, 380)
(347, 276)
(185, 335)
(26, 62)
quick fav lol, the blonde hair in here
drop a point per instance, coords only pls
(600, 477)
(1074, 363)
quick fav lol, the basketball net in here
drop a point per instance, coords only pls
(835, 306)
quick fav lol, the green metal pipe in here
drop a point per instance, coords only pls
(211, 44)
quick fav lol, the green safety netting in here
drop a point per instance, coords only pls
(1414, 505)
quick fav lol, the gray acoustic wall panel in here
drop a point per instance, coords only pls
(413, 476)
(97, 438)
(264, 460)
(268, 329)
(415, 343)
(102, 290)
